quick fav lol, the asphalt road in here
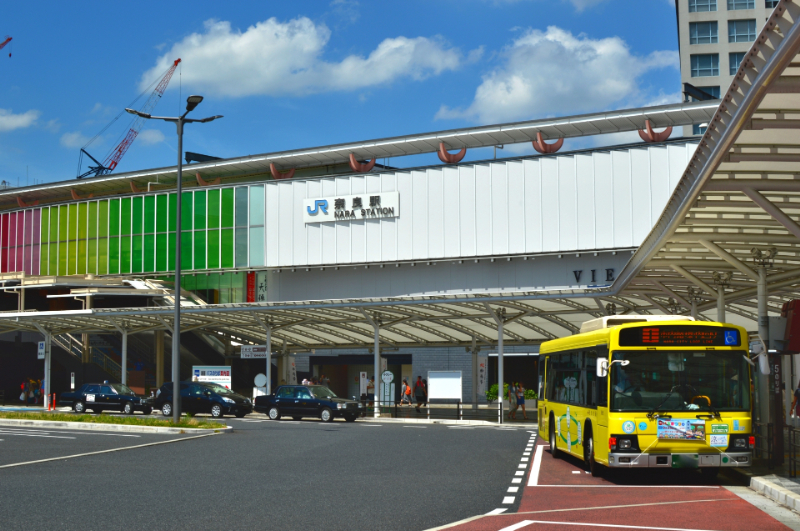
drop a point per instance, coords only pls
(269, 475)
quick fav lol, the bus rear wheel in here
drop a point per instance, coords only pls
(553, 447)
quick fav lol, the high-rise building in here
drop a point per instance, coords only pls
(713, 36)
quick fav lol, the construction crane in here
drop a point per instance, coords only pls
(116, 154)
(3, 44)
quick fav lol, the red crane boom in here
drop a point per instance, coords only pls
(2, 44)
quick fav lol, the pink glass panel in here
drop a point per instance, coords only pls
(4, 243)
(20, 240)
(37, 219)
(12, 242)
(26, 258)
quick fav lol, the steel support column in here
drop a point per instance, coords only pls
(721, 303)
(124, 370)
(377, 361)
(763, 331)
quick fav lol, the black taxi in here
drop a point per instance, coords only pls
(298, 401)
(106, 396)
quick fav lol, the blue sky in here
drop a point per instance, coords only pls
(289, 75)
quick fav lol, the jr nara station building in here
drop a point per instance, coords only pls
(344, 266)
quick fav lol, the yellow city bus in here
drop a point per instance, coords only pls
(648, 391)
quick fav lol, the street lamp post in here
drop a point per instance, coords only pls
(191, 103)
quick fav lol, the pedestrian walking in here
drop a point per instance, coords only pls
(425, 385)
(405, 393)
(371, 389)
(324, 380)
(512, 401)
(521, 399)
(420, 393)
(796, 404)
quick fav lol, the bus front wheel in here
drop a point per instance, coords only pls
(553, 447)
(588, 452)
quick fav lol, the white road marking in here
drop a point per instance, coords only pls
(512, 490)
(496, 511)
(537, 464)
(632, 486)
(526, 453)
(20, 431)
(526, 523)
(516, 480)
(525, 459)
(372, 425)
(508, 500)
(420, 427)
(36, 435)
(519, 473)
(576, 471)
(523, 465)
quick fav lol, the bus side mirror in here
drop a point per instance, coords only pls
(602, 368)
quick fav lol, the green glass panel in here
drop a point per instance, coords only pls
(186, 211)
(136, 258)
(125, 254)
(102, 256)
(125, 217)
(44, 238)
(93, 219)
(102, 220)
(53, 225)
(113, 255)
(149, 252)
(199, 249)
(162, 212)
(113, 217)
(186, 250)
(227, 248)
(171, 252)
(62, 224)
(241, 247)
(83, 212)
(73, 222)
(241, 206)
(92, 266)
(62, 258)
(201, 282)
(213, 249)
(227, 207)
(213, 209)
(200, 209)
(52, 268)
(137, 215)
(173, 206)
(161, 252)
(150, 214)
(82, 248)
(188, 282)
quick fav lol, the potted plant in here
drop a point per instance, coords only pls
(531, 400)
(491, 393)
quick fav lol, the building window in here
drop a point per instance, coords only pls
(772, 3)
(703, 33)
(741, 30)
(734, 61)
(704, 65)
(696, 6)
(741, 4)
(698, 129)
(714, 91)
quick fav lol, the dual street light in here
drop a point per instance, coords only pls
(191, 103)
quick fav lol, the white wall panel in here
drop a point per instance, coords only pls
(584, 202)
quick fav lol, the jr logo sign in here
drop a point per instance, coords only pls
(319, 204)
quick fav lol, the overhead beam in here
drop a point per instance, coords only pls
(694, 280)
(728, 257)
(770, 208)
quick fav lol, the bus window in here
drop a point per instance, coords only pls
(602, 383)
(542, 364)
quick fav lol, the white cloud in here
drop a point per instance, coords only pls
(555, 72)
(10, 121)
(73, 140)
(277, 58)
(580, 5)
(149, 137)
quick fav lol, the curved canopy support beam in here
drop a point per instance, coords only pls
(361, 168)
(23, 204)
(134, 188)
(544, 148)
(76, 197)
(202, 182)
(278, 175)
(648, 135)
(450, 158)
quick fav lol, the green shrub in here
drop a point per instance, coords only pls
(491, 393)
(143, 420)
(530, 394)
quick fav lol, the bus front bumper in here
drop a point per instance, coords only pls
(628, 460)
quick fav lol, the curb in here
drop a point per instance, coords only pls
(445, 421)
(776, 493)
(110, 427)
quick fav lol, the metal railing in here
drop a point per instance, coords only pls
(764, 444)
(455, 411)
(794, 448)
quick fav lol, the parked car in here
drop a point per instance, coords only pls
(204, 397)
(298, 401)
(97, 397)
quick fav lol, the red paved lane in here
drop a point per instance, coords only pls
(637, 499)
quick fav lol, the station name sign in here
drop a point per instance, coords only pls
(370, 205)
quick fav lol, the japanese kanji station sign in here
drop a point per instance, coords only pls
(370, 205)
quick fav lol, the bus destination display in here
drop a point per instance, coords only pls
(679, 336)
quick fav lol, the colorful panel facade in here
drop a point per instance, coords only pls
(222, 228)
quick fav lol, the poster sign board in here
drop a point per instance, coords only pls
(686, 429)
(254, 352)
(40, 350)
(214, 374)
(483, 373)
(445, 385)
(362, 383)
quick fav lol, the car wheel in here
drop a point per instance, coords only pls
(326, 415)
(128, 409)
(79, 407)
(553, 446)
(216, 411)
(166, 409)
(588, 452)
(147, 410)
(297, 418)
(350, 418)
(274, 413)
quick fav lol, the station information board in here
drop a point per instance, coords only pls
(679, 336)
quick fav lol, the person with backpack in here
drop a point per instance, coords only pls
(420, 393)
(405, 393)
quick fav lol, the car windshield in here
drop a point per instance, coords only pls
(220, 390)
(665, 381)
(123, 389)
(320, 391)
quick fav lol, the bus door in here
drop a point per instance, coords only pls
(542, 409)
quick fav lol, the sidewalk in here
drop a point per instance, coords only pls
(775, 484)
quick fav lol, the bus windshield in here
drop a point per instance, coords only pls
(662, 381)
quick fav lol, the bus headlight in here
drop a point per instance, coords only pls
(624, 444)
(740, 443)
